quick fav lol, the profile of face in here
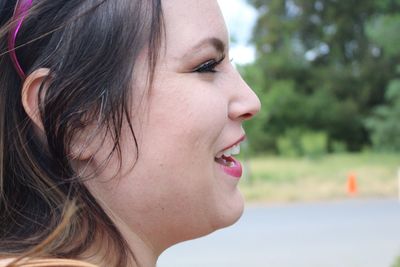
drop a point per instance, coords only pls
(180, 187)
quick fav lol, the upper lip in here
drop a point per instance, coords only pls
(241, 139)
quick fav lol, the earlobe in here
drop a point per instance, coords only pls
(30, 95)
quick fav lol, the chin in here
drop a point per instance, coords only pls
(230, 214)
(222, 217)
(217, 215)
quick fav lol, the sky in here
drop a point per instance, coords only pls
(240, 19)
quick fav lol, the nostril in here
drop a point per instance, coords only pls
(247, 116)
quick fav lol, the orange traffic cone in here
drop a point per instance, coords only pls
(352, 184)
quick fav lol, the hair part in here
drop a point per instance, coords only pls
(90, 48)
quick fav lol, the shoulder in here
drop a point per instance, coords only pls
(5, 262)
(44, 263)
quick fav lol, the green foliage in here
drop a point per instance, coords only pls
(383, 31)
(397, 263)
(338, 147)
(323, 66)
(384, 123)
(314, 144)
(289, 144)
(298, 142)
(393, 92)
(284, 106)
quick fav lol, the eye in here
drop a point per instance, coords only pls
(209, 66)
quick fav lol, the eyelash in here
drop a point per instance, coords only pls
(209, 66)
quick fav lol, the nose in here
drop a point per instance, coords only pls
(244, 103)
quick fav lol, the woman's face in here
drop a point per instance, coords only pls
(178, 190)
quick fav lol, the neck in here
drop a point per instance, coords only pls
(143, 253)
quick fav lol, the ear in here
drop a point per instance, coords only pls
(83, 145)
(30, 95)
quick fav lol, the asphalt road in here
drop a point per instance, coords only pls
(353, 233)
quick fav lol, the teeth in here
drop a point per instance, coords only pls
(228, 152)
(235, 150)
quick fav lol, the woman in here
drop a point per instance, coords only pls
(118, 122)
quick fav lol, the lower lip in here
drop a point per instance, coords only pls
(235, 170)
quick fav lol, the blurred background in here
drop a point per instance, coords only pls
(322, 178)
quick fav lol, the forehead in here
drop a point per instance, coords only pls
(188, 22)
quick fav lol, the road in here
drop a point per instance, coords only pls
(352, 233)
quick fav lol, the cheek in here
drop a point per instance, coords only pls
(176, 154)
(182, 131)
(193, 116)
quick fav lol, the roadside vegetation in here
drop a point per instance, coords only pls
(285, 179)
(328, 76)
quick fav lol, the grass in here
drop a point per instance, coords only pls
(275, 179)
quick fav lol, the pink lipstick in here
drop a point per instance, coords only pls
(230, 166)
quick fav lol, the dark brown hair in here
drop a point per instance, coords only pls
(90, 48)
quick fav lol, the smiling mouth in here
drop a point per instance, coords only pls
(225, 157)
(228, 163)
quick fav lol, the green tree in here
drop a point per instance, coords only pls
(397, 263)
(319, 68)
(384, 121)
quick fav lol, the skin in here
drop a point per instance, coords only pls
(176, 191)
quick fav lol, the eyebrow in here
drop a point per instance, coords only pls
(215, 42)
